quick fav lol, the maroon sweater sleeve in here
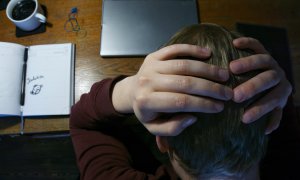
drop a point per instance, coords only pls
(100, 153)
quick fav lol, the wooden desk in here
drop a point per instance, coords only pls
(90, 67)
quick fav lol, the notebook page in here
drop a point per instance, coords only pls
(11, 62)
(48, 80)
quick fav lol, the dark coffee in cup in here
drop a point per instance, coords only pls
(23, 9)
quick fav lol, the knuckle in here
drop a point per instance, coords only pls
(254, 61)
(217, 89)
(257, 112)
(249, 40)
(270, 60)
(252, 41)
(185, 83)
(274, 76)
(181, 66)
(141, 101)
(150, 57)
(208, 105)
(143, 80)
(214, 70)
(184, 46)
(175, 47)
(249, 89)
(182, 101)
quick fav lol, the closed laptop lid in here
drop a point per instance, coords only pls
(139, 27)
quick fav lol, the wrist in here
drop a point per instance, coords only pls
(121, 96)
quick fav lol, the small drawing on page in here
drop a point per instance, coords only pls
(36, 89)
(34, 78)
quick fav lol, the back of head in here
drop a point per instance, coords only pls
(218, 145)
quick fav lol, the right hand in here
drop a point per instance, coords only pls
(273, 77)
(165, 84)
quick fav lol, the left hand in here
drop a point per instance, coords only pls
(273, 77)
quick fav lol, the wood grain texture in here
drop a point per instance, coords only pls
(90, 67)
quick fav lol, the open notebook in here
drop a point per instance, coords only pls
(49, 85)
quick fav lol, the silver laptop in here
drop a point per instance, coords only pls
(139, 27)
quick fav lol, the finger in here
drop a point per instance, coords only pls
(176, 50)
(254, 62)
(191, 85)
(274, 121)
(255, 85)
(170, 127)
(276, 98)
(168, 102)
(193, 68)
(250, 43)
(147, 107)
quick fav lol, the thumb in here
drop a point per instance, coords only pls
(172, 126)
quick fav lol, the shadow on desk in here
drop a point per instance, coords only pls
(7, 122)
(40, 156)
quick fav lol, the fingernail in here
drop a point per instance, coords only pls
(268, 131)
(205, 50)
(238, 97)
(223, 74)
(235, 41)
(219, 107)
(189, 122)
(228, 93)
(247, 118)
(235, 67)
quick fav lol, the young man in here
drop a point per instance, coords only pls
(218, 145)
(107, 149)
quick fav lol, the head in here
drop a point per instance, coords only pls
(220, 145)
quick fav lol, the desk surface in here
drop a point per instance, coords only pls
(90, 67)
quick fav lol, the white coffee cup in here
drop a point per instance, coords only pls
(31, 22)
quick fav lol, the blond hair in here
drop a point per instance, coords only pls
(219, 145)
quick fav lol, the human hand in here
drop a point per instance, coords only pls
(273, 77)
(165, 84)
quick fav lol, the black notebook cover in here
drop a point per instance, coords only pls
(275, 40)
